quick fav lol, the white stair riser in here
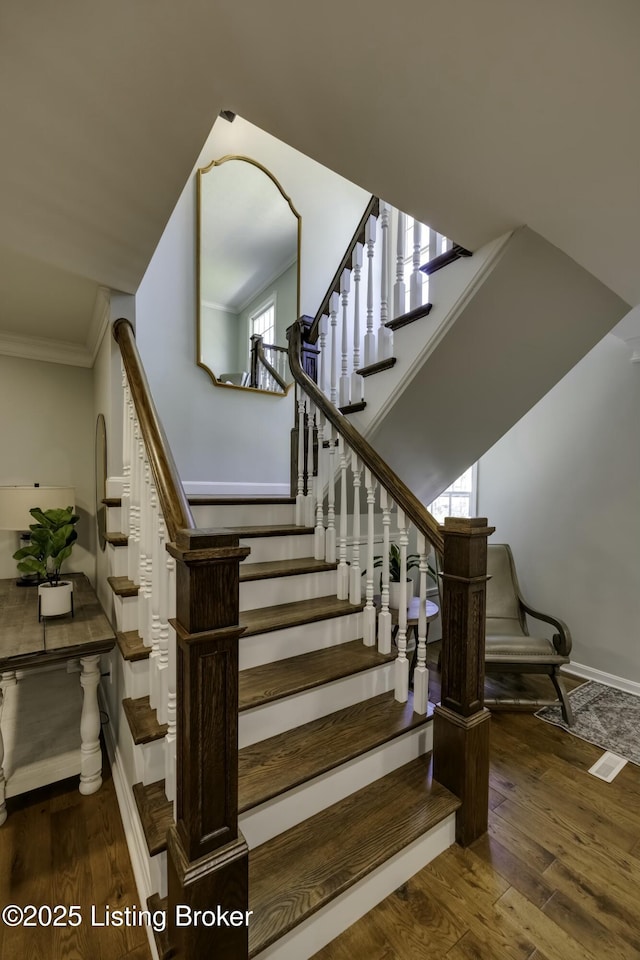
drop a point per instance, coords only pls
(117, 561)
(243, 514)
(126, 611)
(294, 641)
(305, 586)
(271, 719)
(327, 923)
(114, 519)
(278, 548)
(136, 678)
(277, 815)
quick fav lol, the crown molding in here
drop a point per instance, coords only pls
(40, 348)
(99, 322)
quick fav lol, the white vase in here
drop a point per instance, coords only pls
(394, 594)
(55, 601)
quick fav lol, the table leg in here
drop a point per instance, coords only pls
(90, 752)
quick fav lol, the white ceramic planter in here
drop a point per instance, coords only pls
(394, 594)
(55, 601)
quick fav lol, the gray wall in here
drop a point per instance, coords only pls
(563, 488)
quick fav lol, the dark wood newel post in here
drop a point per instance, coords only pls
(461, 725)
(207, 855)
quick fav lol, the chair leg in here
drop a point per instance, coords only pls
(565, 703)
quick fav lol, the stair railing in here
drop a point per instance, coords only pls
(367, 299)
(269, 365)
(188, 612)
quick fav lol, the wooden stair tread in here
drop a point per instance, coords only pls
(269, 530)
(353, 407)
(406, 318)
(283, 568)
(203, 499)
(444, 259)
(266, 619)
(117, 539)
(123, 587)
(156, 814)
(271, 767)
(112, 501)
(282, 678)
(143, 721)
(378, 367)
(131, 646)
(299, 871)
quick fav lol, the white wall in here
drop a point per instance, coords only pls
(47, 432)
(217, 434)
(563, 488)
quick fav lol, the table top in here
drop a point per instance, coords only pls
(413, 610)
(26, 643)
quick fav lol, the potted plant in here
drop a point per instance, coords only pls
(413, 562)
(52, 539)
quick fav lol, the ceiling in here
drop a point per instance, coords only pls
(476, 117)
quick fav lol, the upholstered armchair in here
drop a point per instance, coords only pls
(509, 647)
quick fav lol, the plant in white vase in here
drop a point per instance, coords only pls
(52, 539)
(413, 562)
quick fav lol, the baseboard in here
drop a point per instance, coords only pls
(134, 836)
(225, 488)
(609, 679)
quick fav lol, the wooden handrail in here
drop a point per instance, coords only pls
(372, 209)
(395, 487)
(173, 501)
(268, 366)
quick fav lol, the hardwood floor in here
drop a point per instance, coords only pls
(58, 847)
(557, 877)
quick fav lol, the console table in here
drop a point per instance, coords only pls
(50, 723)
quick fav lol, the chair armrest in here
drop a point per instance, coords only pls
(562, 639)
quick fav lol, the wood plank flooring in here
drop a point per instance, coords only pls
(557, 877)
(58, 847)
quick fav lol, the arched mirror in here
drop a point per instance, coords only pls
(248, 275)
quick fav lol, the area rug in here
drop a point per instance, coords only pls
(607, 717)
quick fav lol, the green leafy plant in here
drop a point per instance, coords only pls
(413, 562)
(52, 539)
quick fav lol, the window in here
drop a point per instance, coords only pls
(263, 323)
(428, 239)
(458, 500)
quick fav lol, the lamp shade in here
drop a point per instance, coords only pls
(15, 503)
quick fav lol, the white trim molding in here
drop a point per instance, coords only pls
(41, 348)
(609, 679)
(225, 488)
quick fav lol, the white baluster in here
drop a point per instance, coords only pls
(318, 536)
(330, 535)
(334, 305)
(357, 382)
(310, 505)
(385, 336)
(399, 292)
(370, 349)
(143, 591)
(132, 554)
(355, 591)
(126, 455)
(161, 596)
(343, 567)
(369, 613)
(170, 738)
(402, 664)
(345, 381)
(153, 600)
(434, 246)
(384, 618)
(300, 500)
(322, 345)
(421, 674)
(415, 287)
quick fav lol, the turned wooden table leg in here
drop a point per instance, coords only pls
(90, 752)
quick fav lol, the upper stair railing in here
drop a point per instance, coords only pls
(269, 366)
(188, 612)
(382, 284)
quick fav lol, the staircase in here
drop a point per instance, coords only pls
(336, 797)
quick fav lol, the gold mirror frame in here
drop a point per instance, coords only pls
(100, 456)
(199, 359)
